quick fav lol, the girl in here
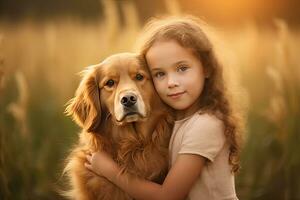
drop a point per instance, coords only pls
(204, 147)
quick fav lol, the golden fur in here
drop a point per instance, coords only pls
(136, 136)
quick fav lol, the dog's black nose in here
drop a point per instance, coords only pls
(128, 100)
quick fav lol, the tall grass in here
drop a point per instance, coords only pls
(38, 67)
(269, 62)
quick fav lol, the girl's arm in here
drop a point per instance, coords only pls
(177, 184)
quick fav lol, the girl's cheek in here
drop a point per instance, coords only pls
(158, 85)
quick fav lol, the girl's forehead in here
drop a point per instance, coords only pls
(169, 45)
(166, 53)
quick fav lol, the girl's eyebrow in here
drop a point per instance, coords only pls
(155, 69)
(181, 62)
(174, 65)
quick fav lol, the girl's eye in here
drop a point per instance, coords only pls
(159, 74)
(110, 83)
(182, 68)
(139, 77)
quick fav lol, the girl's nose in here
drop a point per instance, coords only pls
(172, 82)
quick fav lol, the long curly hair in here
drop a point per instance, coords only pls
(215, 97)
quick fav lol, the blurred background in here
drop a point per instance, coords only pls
(44, 44)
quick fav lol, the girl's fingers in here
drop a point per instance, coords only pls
(89, 158)
(88, 166)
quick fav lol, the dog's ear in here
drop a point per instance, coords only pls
(85, 107)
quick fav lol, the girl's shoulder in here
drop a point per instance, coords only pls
(202, 123)
(205, 118)
(203, 135)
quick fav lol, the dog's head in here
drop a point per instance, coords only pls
(119, 88)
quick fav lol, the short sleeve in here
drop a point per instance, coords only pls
(204, 137)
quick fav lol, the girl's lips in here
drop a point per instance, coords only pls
(176, 95)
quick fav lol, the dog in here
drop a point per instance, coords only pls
(120, 113)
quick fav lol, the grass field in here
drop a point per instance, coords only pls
(39, 63)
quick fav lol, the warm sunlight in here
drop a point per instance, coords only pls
(45, 47)
(234, 11)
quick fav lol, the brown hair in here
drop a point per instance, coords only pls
(188, 32)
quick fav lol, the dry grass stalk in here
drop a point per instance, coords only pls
(19, 108)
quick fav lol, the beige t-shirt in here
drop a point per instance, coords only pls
(203, 134)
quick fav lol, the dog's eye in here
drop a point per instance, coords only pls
(110, 83)
(139, 77)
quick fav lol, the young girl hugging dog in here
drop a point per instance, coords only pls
(204, 148)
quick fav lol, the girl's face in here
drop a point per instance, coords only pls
(177, 74)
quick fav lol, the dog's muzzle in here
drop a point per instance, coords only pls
(129, 100)
(129, 103)
(130, 107)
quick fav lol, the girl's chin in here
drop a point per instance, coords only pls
(179, 107)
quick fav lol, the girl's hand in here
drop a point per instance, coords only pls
(102, 164)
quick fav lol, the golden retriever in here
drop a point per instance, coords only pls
(120, 112)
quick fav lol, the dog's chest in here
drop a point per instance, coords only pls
(145, 161)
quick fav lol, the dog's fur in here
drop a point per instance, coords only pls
(136, 136)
